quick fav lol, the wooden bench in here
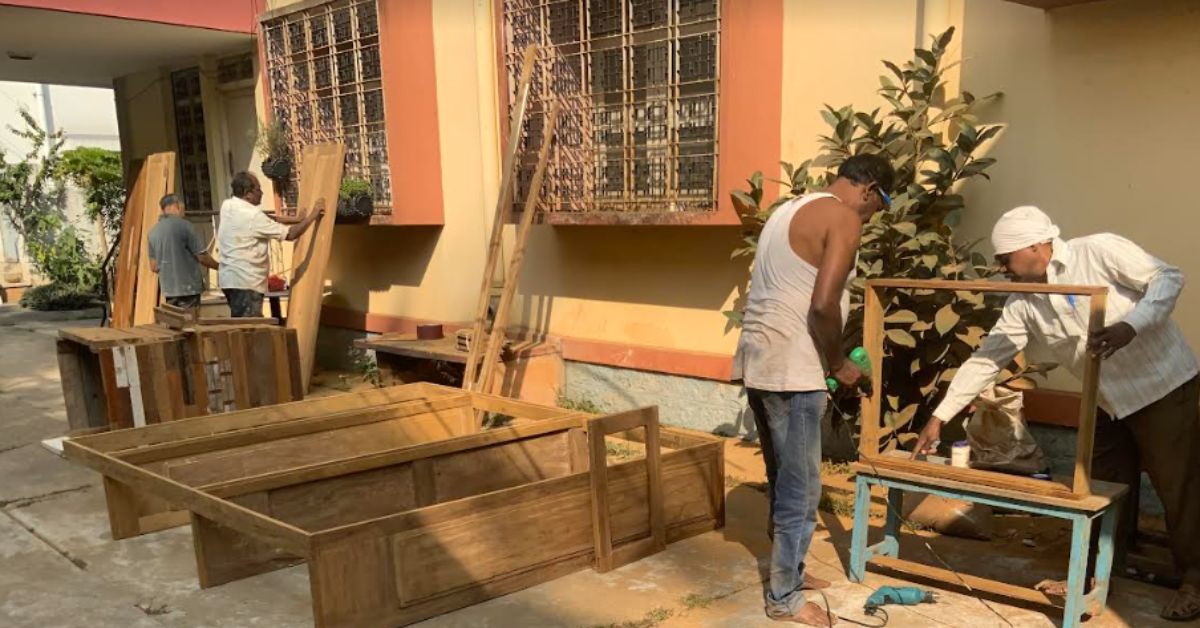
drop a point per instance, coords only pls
(1103, 504)
(405, 510)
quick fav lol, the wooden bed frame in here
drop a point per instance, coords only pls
(872, 430)
(401, 507)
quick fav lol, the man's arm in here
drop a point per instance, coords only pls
(207, 260)
(825, 315)
(1007, 338)
(153, 264)
(298, 229)
(1159, 282)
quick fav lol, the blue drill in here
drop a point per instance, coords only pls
(904, 596)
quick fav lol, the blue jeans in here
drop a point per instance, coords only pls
(789, 428)
(244, 303)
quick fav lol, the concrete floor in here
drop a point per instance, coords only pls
(58, 566)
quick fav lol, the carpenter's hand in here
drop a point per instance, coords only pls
(1107, 341)
(928, 441)
(848, 374)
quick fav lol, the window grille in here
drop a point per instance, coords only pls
(191, 139)
(326, 84)
(638, 81)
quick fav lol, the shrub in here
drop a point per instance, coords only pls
(58, 297)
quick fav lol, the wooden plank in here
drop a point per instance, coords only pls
(987, 286)
(986, 483)
(281, 367)
(347, 499)
(239, 366)
(287, 537)
(320, 178)
(122, 509)
(246, 419)
(353, 584)
(1089, 398)
(607, 555)
(70, 371)
(872, 406)
(298, 387)
(285, 429)
(129, 372)
(516, 409)
(116, 399)
(224, 554)
(601, 517)
(159, 171)
(500, 215)
(128, 252)
(249, 320)
(316, 472)
(496, 339)
(943, 576)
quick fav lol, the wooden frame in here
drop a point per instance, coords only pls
(872, 431)
(399, 531)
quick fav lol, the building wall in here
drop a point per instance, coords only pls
(1097, 99)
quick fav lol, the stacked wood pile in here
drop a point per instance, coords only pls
(119, 378)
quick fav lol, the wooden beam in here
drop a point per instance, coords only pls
(986, 286)
(320, 179)
(993, 479)
(160, 173)
(872, 406)
(495, 340)
(244, 520)
(1089, 398)
(944, 576)
(500, 217)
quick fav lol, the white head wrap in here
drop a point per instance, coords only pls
(1022, 227)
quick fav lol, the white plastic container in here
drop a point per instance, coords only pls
(960, 454)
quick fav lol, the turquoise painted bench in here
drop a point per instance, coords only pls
(1102, 504)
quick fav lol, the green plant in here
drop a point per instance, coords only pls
(98, 172)
(32, 196)
(353, 187)
(934, 144)
(579, 405)
(366, 365)
(273, 141)
(58, 297)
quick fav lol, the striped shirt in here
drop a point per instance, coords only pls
(1142, 291)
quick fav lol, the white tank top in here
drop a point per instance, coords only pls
(775, 351)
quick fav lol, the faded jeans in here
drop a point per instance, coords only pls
(789, 428)
(244, 303)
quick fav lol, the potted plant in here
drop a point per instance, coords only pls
(355, 200)
(276, 151)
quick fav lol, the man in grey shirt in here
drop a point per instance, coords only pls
(176, 254)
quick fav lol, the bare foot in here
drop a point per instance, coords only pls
(1058, 588)
(812, 582)
(1185, 606)
(811, 615)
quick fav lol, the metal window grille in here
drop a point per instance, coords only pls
(191, 138)
(326, 84)
(638, 82)
(234, 69)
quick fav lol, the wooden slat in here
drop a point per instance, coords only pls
(295, 427)
(239, 364)
(515, 408)
(607, 555)
(246, 419)
(872, 406)
(500, 215)
(244, 520)
(281, 366)
(224, 555)
(159, 171)
(70, 372)
(128, 252)
(320, 178)
(944, 576)
(987, 286)
(1089, 397)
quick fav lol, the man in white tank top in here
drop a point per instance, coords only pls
(791, 341)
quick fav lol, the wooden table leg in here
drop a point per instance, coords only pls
(858, 537)
(1104, 558)
(891, 529)
(1081, 533)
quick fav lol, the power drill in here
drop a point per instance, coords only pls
(860, 359)
(904, 596)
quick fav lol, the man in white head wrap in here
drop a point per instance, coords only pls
(1149, 396)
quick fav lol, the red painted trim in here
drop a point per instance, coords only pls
(751, 97)
(671, 361)
(238, 16)
(411, 111)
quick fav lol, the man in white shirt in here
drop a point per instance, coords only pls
(242, 238)
(1149, 417)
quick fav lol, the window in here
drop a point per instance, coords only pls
(324, 72)
(235, 69)
(191, 138)
(638, 80)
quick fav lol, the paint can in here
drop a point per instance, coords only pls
(960, 454)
